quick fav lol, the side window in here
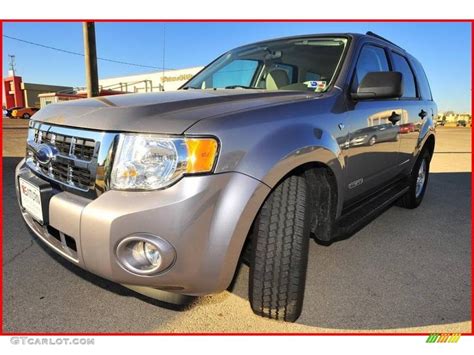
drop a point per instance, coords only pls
(401, 65)
(423, 84)
(371, 59)
(237, 72)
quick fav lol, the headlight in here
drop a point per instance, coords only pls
(149, 162)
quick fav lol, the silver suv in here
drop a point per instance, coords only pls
(271, 144)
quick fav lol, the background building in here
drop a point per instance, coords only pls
(167, 80)
(17, 93)
(21, 94)
(55, 97)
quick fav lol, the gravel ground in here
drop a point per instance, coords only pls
(407, 271)
(14, 137)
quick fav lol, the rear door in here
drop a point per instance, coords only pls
(415, 107)
(422, 110)
(373, 146)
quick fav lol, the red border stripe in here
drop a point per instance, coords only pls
(231, 333)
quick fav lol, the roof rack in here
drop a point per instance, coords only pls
(372, 34)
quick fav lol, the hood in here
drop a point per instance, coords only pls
(162, 112)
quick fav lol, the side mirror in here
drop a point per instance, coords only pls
(380, 85)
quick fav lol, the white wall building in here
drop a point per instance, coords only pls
(167, 80)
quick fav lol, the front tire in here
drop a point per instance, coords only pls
(279, 255)
(417, 182)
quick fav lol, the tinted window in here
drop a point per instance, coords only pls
(289, 56)
(238, 72)
(371, 59)
(401, 65)
(423, 85)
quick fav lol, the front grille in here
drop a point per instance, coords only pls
(66, 173)
(76, 152)
(80, 148)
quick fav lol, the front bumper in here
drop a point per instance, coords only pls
(205, 218)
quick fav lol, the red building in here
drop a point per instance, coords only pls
(13, 93)
(17, 93)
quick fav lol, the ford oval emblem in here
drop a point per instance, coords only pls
(45, 154)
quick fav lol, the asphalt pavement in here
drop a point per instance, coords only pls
(407, 271)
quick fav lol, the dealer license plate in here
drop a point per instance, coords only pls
(30, 196)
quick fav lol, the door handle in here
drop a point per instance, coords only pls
(422, 114)
(394, 118)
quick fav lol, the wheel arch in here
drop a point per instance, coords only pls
(322, 184)
(298, 163)
(429, 144)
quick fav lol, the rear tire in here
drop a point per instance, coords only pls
(279, 255)
(414, 196)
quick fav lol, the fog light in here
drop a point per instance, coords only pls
(152, 254)
(145, 254)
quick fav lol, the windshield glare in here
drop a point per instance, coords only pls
(298, 64)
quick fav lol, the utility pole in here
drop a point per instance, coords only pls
(163, 69)
(11, 65)
(90, 55)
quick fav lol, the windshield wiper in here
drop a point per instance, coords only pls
(190, 87)
(239, 87)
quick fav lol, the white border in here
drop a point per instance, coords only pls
(232, 345)
(239, 9)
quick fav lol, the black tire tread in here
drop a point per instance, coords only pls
(409, 200)
(280, 252)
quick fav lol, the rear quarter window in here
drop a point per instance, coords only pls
(401, 65)
(423, 84)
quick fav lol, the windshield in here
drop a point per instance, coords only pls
(296, 64)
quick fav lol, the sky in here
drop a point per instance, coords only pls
(444, 49)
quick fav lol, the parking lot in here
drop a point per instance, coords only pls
(407, 271)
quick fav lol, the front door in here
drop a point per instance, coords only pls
(372, 146)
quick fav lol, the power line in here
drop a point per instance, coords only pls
(82, 55)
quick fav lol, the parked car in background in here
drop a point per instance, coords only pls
(10, 110)
(407, 128)
(272, 144)
(375, 134)
(25, 112)
(440, 122)
(461, 123)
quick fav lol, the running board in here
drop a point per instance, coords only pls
(358, 217)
